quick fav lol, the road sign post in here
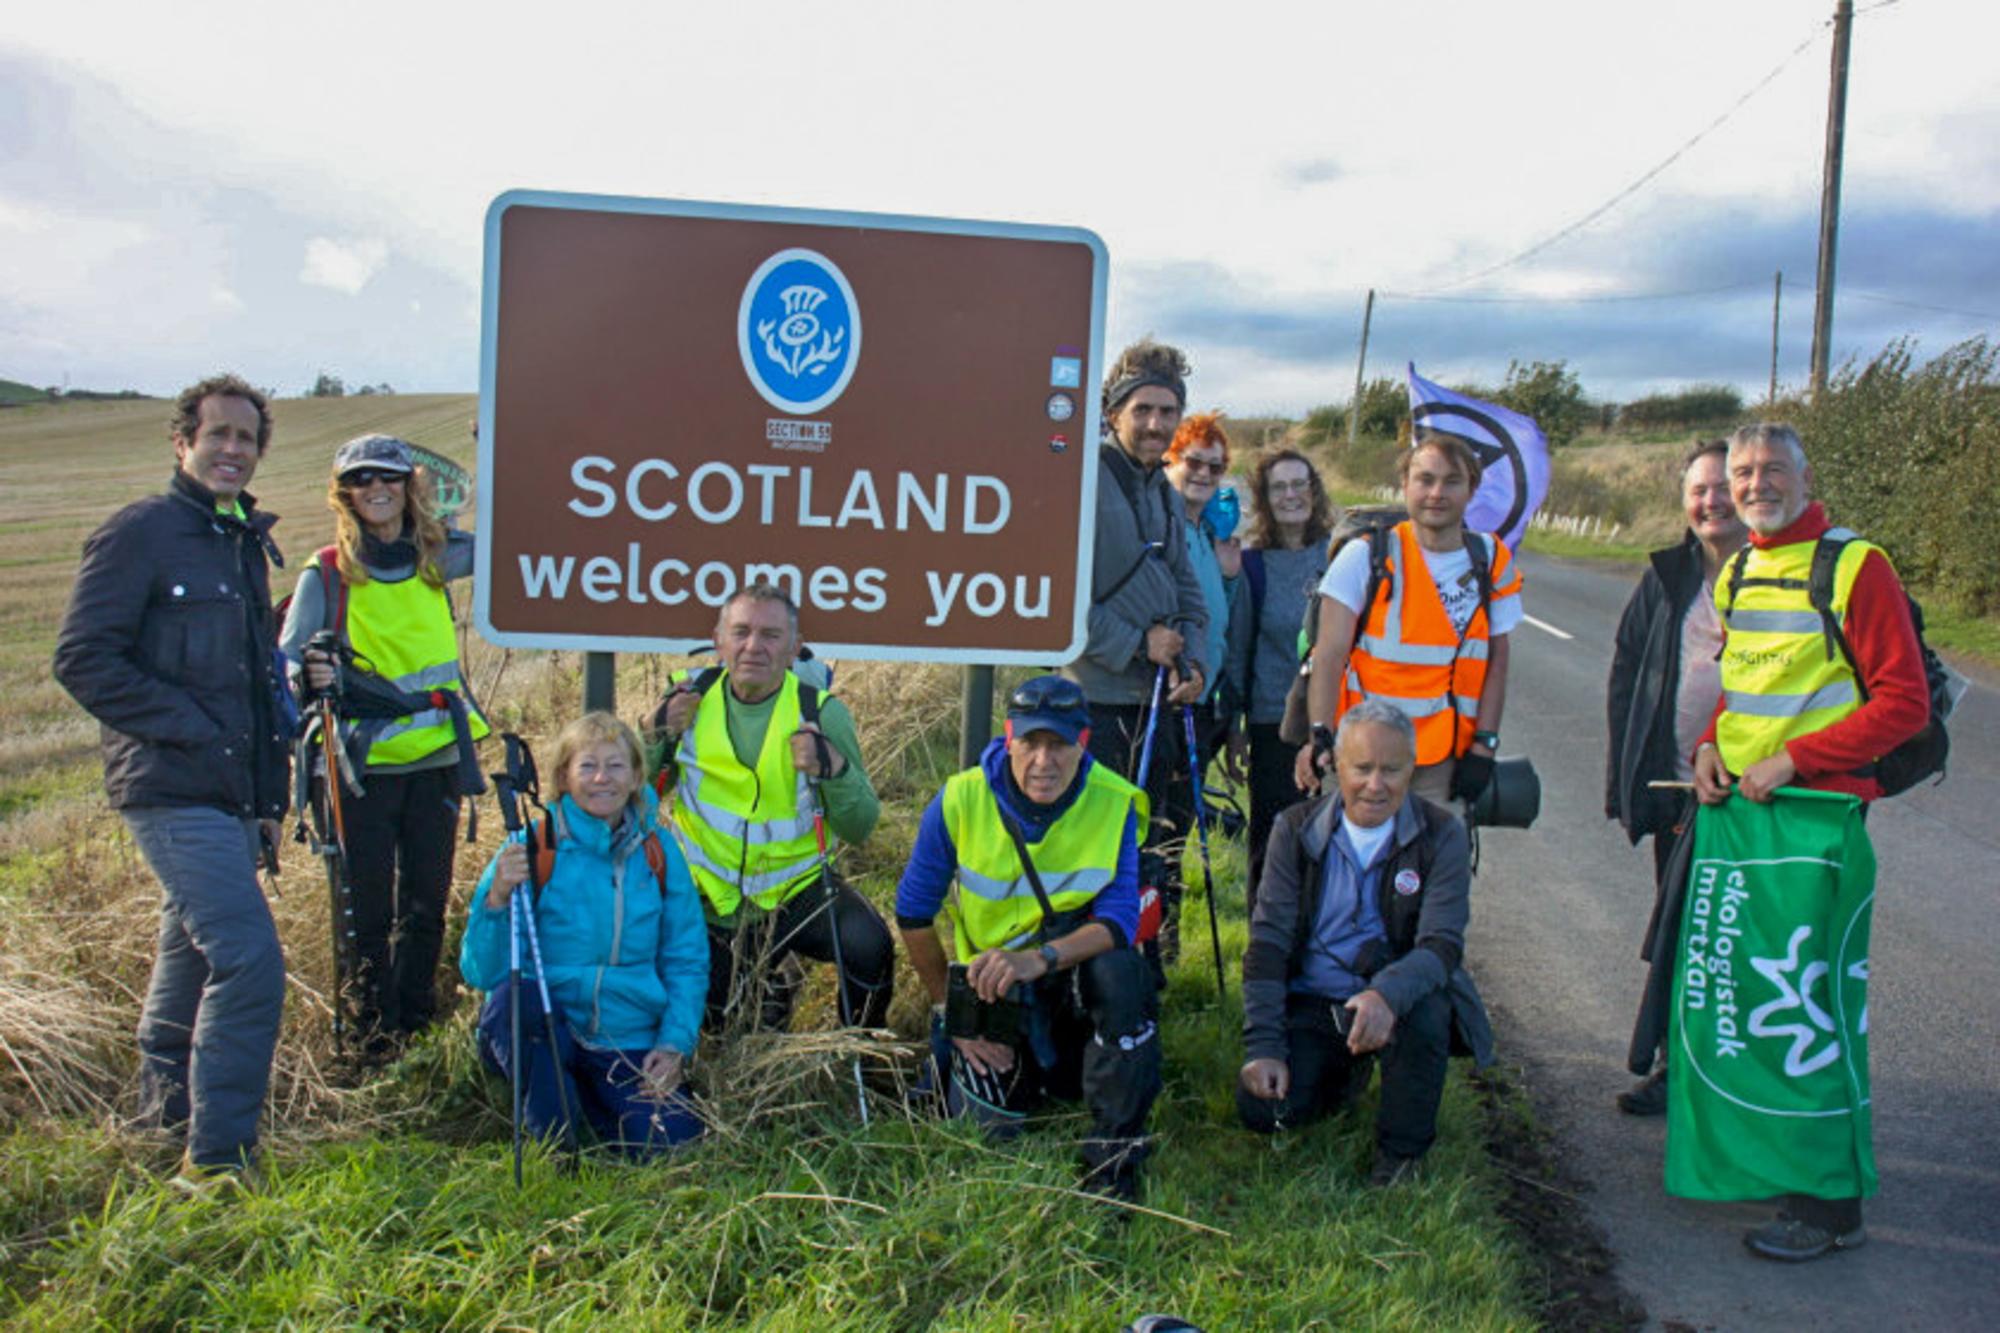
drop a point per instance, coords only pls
(889, 418)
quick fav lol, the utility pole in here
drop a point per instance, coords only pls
(600, 682)
(1777, 293)
(1829, 203)
(1360, 368)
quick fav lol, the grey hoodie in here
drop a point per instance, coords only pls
(1131, 589)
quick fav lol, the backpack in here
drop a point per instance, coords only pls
(1375, 524)
(704, 681)
(1922, 754)
(542, 847)
(327, 561)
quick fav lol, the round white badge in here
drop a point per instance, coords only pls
(1408, 882)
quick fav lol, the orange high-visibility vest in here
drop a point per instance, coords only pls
(1409, 655)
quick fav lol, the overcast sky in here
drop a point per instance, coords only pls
(281, 189)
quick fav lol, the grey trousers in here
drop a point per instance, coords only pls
(210, 1024)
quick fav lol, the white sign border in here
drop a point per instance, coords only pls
(489, 302)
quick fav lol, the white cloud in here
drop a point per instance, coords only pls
(224, 299)
(344, 268)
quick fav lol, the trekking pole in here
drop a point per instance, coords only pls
(516, 781)
(514, 1019)
(822, 746)
(328, 819)
(1152, 722)
(1201, 823)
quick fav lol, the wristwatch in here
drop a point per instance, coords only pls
(1047, 953)
(1489, 739)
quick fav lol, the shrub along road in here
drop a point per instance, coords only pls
(1557, 918)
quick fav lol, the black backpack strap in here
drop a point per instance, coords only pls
(1819, 591)
(1482, 567)
(1736, 564)
(1028, 869)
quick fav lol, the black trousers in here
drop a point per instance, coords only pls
(1103, 1030)
(1272, 792)
(765, 952)
(400, 836)
(1326, 1076)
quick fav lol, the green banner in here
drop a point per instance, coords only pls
(1768, 1052)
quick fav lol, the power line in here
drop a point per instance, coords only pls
(1635, 186)
(1909, 305)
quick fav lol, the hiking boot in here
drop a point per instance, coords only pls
(1790, 1240)
(1391, 1169)
(1646, 1097)
(1119, 1185)
(196, 1180)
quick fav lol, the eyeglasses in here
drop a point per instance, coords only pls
(1213, 467)
(1303, 484)
(363, 477)
(1049, 695)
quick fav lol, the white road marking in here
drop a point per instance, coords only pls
(1546, 628)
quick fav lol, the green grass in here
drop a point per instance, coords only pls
(813, 1222)
(1950, 630)
(1547, 542)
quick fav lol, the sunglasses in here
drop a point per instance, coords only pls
(1048, 694)
(1211, 467)
(363, 477)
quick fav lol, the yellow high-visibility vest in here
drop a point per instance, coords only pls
(403, 631)
(992, 904)
(747, 831)
(1781, 676)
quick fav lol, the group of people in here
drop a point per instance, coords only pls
(680, 877)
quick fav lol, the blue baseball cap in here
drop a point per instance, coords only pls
(1048, 703)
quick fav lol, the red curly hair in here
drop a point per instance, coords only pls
(1199, 429)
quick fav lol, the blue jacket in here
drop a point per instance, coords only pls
(626, 963)
(920, 894)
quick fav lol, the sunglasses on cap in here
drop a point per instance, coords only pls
(1055, 695)
(368, 476)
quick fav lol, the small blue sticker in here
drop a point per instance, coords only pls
(799, 331)
(1065, 372)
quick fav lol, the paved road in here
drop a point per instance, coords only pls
(1558, 912)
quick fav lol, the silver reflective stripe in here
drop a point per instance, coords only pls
(1839, 693)
(1422, 654)
(751, 885)
(430, 717)
(1774, 622)
(430, 678)
(999, 890)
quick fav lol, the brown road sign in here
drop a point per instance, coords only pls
(891, 418)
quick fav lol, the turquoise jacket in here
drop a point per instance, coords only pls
(627, 963)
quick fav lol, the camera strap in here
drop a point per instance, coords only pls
(1028, 868)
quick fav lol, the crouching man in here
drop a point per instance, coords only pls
(1033, 858)
(1354, 950)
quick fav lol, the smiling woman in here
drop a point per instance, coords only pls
(379, 591)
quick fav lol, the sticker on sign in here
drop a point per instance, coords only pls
(906, 495)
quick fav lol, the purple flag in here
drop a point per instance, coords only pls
(1511, 449)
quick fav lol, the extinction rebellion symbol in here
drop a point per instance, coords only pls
(799, 330)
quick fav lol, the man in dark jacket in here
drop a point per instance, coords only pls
(1663, 689)
(1355, 949)
(169, 642)
(1147, 612)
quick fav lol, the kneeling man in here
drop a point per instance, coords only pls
(1355, 947)
(1033, 857)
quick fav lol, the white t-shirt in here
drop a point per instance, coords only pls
(1346, 582)
(1367, 842)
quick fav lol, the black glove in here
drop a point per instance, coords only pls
(1471, 777)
